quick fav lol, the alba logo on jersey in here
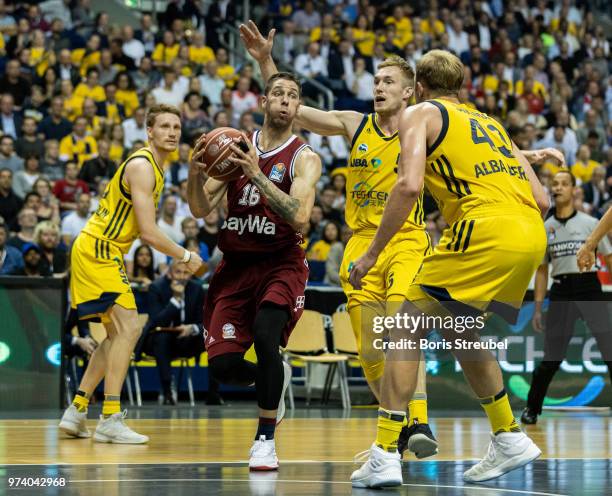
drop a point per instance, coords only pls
(252, 224)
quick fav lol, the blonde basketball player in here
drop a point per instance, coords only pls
(372, 172)
(493, 201)
(99, 286)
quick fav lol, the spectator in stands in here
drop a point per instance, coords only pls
(75, 221)
(126, 93)
(67, 189)
(361, 85)
(55, 126)
(307, 18)
(116, 150)
(97, 196)
(110, 109)
(146, 33)
(8, 158)
(99, 167)
(141, 277)
(14, 84)
(311, 63)
(54, 259)
(49, 205)
(287, 44)
(193, 119)
(167, 93)
(175, 327)
(334, 257)
(243, 100)
(219, 13)
(26, 220)
(25, 179)
(189, 226)
(65, 69)
(166, 51)
(29, 144)
(177, 173)
(212, 84)
(595, 191)
(10, 203)
(584, 166)
(78, 146)
(11, 259)
(32, 262)
(10, 119)
(50, 164)
(327, 198)
(134, 129)
(131, 46)
(169, 222)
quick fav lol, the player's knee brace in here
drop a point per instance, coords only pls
(232, 369)
(268, 329)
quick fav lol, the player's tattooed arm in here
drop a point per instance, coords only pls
(296, 206)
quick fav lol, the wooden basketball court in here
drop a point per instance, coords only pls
(204, 451)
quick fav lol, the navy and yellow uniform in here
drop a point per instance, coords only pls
(98, 274)
(372, 173)
(496, 237)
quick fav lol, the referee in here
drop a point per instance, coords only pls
(573, 294)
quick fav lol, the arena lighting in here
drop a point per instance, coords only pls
(5, 352)
(54, 354)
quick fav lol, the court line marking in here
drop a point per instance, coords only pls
(285, 462)
(302, 481)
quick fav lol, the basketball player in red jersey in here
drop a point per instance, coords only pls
(257, 293)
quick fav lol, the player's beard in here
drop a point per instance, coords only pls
(278, 123)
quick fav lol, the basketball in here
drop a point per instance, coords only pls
(217, 153)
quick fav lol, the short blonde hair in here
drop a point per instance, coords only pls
(162, 108)
(45, 225)
(440, 71)
(404, 67)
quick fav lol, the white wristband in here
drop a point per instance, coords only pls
(186, 256)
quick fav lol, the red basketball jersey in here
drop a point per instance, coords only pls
(251, 224)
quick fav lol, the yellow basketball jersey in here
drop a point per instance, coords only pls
(471, 164)
(372, 173)
(114, 220)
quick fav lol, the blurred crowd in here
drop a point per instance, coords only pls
(74, 89)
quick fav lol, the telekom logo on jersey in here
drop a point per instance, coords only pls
(253, 223)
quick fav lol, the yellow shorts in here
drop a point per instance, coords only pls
(394, 271)
(485, 260)
(383, 290)
(98, 278)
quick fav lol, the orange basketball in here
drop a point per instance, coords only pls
(217, 153)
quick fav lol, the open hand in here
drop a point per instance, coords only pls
(259, 48)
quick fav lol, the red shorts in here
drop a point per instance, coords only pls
(240, 286)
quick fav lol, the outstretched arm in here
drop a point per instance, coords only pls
(332, 123)
(403, 196)
(543, 154)
(296, 206)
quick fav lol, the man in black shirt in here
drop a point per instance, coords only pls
(10, 203)
(99, 167)
(55, 126)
